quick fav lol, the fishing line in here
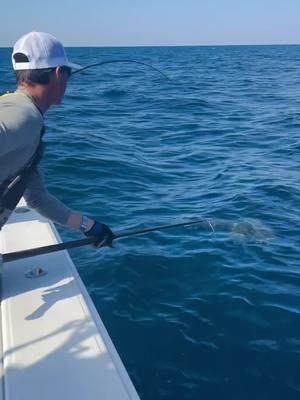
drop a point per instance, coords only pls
(121, 61)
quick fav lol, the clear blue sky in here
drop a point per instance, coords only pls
(153, 22)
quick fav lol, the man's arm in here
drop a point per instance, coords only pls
(38, 197)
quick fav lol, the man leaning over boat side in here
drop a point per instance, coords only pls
(42, 71)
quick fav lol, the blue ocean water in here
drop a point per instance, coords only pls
(212, 311)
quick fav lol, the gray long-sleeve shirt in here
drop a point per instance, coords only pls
(20, 126)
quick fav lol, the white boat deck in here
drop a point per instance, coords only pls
(54, 343)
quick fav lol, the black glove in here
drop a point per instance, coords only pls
(102, 233)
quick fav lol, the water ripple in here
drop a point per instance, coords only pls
(210, 312)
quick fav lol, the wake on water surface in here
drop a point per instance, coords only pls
(250, 229)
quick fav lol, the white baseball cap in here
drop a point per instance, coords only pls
(42, 51)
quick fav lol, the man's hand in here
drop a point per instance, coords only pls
(102, 233)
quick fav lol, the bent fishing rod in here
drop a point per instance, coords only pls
(17, 255)
(120, 61)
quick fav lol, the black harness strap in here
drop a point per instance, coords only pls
(13, 189)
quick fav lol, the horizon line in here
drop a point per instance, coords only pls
(174, 45)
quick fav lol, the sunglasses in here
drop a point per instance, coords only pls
(63, 68)
(67, 70)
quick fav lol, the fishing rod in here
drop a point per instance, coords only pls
(17, 255)
(121, 61)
